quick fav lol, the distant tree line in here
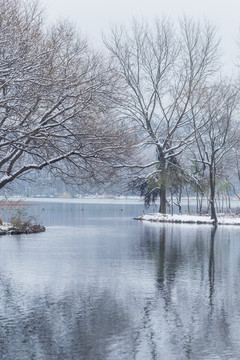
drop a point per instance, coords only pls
(154, 110)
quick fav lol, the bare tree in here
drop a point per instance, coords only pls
(164, 69)
(55, 100)
(218, 112)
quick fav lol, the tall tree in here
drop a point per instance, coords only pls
(219, 134)
(163, 69)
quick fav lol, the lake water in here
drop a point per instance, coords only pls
(99, 285)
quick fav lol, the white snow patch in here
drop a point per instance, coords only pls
(5, 226)
(190, 219)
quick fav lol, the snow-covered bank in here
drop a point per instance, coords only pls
(9, 229)
(190, 219)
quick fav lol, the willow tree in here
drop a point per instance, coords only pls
(163, 68)
(55, 108)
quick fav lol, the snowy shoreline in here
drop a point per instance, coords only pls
(190, 219)
(9, 229)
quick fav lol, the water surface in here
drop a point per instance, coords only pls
(100, 285)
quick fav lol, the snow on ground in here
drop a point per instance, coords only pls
(191, 219)
(5, 226)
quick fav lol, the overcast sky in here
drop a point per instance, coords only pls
(95, 16)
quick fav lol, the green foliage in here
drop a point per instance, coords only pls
(198, 181)
(171, 177)
(152, 183)
(151, 190)
(18, 218)
(176, 176)
(225, 188)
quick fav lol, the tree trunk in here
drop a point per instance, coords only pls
(163, 199)
(200, 204)
(197, 202)
(212, 194)
(163, 181)
(188, 201)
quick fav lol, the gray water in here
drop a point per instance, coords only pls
(99, 285)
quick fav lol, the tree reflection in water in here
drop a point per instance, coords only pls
(70, 328)
(190, 312)
(171, 292)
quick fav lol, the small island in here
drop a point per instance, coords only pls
(223, 219)
(20, 222)
(9, 229)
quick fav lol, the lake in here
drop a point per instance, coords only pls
(99, 285)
